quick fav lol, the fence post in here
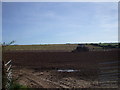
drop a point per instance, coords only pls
(3, 76)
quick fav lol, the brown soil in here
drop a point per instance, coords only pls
(39, 69)
(51, 79)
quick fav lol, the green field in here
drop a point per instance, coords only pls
(112, 44)
(58, 47)
(49, 47)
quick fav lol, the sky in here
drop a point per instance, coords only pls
(59, 22)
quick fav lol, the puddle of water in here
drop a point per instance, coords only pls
(67, 70)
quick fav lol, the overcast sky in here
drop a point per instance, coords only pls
(70, 22)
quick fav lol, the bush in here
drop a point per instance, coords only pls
(81, 48)
(16, 86)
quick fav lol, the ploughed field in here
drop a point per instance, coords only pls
(50, 60)
(37, 69)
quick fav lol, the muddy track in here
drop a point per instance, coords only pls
(45, 83)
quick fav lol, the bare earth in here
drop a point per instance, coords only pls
(39, 69)
(51, 79)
